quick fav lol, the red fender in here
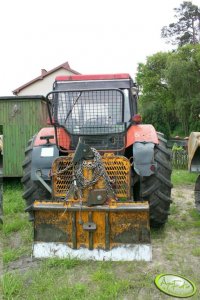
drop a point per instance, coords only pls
(63, 137)
(141, 133)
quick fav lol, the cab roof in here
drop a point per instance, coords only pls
(93, 77)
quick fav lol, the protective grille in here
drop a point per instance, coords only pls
(61, 182)
(117, 167)
(101, 142)
(89, 112)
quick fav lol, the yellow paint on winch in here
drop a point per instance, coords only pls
(115, 225)
(78, 225)
(117, 168)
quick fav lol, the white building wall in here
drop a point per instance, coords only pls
(43, 86)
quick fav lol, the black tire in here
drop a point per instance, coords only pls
(197, 194)
(157, 187)
(33, 190)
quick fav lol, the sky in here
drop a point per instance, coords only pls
(94, 36)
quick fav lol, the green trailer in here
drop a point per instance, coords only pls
(20, 118)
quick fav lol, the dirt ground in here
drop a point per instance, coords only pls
(173, 249)
(180, 241)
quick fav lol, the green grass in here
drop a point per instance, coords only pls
(158, 233)
(108, 285)
(51, 281)
(14, 225)
(66, 263)
(111, 289)
(12, 254)
(16, 231)
(196, 251)
(183, 223)
(174, 209)
(194, 214)
(12, 286)
(72, 279)
(13, 202)
(183, 177)
(77, 291)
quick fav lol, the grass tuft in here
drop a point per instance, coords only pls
(102, 275)
(14, 225)
(174, 209)
(12, 285)
(183, 224)
(158, 233)
(67, 263)
(108, 286)
(77, 291)
(194, 214)
(196, 251)
(13, 254)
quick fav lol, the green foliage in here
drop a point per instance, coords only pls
(186, 29)
(194, 118)
(158, 120)
(170, 82)
(155, 99)
(183, 78)
(170, 90)
(177, 148)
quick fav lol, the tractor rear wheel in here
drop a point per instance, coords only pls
(197, 194)
(33, 190)
(157, 187)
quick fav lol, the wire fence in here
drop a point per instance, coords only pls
(180, 159)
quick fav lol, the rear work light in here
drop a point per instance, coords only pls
(137, 119)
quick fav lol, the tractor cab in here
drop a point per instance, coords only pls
(98, 108)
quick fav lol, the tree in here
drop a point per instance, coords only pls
(187, 28)
(183, 79)
(170, 90)
(170, 82)
(155, 101)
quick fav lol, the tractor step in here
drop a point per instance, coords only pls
(119, 231)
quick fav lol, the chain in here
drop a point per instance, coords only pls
(99, 171)
(104, 174)
(80, 182)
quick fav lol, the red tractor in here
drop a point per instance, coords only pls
(95, 178)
